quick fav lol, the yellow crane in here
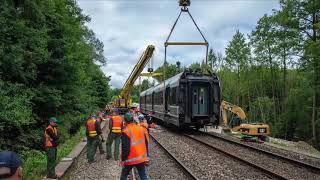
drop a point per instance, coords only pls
(123, 103)
(237, 124)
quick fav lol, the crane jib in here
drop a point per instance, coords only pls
(138, 68)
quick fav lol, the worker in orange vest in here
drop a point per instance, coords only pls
(115, 126)
(134, 140)
(93, 131)
(51, 143)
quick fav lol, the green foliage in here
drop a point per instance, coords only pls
(280, 83)
(35, 162)
(195, 66)
(170, 71)
(238, 57)
(238, 52)
(49, 66)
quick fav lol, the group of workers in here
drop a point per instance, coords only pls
(131, 130)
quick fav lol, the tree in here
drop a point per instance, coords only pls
(195, 66)
(171, 70)
(48, 67)
(237, 57)
(303, 17)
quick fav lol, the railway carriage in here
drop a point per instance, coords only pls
(192, 99)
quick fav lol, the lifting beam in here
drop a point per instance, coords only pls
(184, 4)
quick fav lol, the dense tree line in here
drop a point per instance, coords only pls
(49, 66)
(274, 74)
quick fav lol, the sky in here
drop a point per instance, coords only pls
(126, 27)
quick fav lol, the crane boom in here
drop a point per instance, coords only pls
(144, 59)
(124, 102)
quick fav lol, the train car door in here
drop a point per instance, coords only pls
(199, 100)
(167, 99)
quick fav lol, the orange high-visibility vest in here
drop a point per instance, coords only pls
(47, 137)
(116, 124)
(138, 149)
(91, 125)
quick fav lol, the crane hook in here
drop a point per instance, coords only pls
(184, 4)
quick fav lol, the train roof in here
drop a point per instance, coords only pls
(172, 82)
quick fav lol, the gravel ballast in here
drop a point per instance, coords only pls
(287, 153)
(271, 163)
(101, 169)
(204, 162)
(161, 166)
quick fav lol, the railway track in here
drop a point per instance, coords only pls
(295, 161)
(207, 162)
(271, 163)
(184, 168)
(273, 174)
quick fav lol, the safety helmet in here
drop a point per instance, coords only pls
(128, 117)
(141, 117)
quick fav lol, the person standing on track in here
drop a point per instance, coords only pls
(93, 131)
(51, 143)
(134, 148)
(115, 126)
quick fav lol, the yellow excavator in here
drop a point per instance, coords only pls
(124, 102)
(237, 123)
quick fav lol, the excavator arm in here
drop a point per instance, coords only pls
(251, 129)
(226, 106)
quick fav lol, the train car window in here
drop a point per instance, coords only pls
(201, 96)
(157, 98)
(195, 96)
(173, 96)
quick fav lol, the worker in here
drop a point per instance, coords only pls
(134, 140)
(115, 126)
(101, 139)
(10, 166)
(93, 131)
(135, 118)
(143, 122)
(51, 143)
(149, 121)
(149, 118)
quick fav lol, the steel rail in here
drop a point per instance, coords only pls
(278, 176)
(186, 169)
(295, 161)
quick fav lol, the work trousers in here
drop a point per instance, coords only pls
(51, 161)
(116, 138)
(141, 170)
(92, 143)
(100, 145)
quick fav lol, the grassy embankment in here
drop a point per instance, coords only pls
(35, 162)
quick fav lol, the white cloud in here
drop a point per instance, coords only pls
(126, 27)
